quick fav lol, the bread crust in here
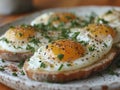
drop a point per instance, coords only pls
(65, 76)
(10, 56)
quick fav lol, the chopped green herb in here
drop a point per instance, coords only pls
(55, 18)
(109, 12)
(4, 39)
(32, 49)
(60, 56)
(61, 66)
(112, 72)
(14, 74)
(2, 68)
(43, 65)
(12, 27)
(20, 65)
(69, 64)
(75, 23)
(35, 41)
(68, 17)
(91, 48)
(25, 25)
(105, 44)
(64, 33)
(3, 60)
(74, 36)
(100, 20)
(22, 72)
(17, 47)
(84, 43)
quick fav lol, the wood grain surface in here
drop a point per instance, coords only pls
(44, 4)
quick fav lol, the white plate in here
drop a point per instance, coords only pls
(92, 83)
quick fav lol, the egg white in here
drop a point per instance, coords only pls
(19, 46)
(42, 19)
(43, 55)
(113, 19)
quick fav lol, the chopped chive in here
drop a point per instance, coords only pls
(32, 49)
(43, 65)
(20, 65)
(109, 12)
(105, 44)
(2, 68)
(60, 56)
(22, 72)
(4, 39)
(12, 27)
(14, 74)
(61, 66)
(74, 36)
(91, 48)
(3, 60)
(69, 64)
(100, 20)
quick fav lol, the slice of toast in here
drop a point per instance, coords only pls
(10, 56)
(65, 76)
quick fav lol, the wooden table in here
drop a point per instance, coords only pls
(43, 4)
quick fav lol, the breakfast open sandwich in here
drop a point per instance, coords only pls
(85, 51)
(19, 43)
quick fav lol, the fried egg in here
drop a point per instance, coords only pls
(55, 18)
(66, 54)
(23, 38)
(113, 19)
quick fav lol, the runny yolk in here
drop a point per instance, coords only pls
(62, 17)
(20, 33)
(100, 31)
(69, 49)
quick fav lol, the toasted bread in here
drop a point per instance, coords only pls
(10, 56)
(65, 76)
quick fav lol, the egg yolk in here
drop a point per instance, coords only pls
(100, 31)
(66, 50)
(20, 33)
(62, 17)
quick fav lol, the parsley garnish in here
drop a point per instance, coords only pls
(60, 67)
(32, 49)
(84, 43)
(109, 12)
(14, 74)
(12, 27)
(105, 44)
(43, 65)
(25, 25)
(20, 65)
(91, 48)
(60, 56)
(69, 64)
(22, 72)
(3, 60)
(74, 36)
(2, 68)
(35, 41)
(4, 39)
(100, 20)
